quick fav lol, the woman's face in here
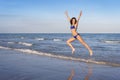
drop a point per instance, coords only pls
(73, 21)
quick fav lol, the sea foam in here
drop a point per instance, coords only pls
(62, 56)
(25, 44)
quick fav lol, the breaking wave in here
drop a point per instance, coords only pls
(57, 39)
(112, 41)
(62, 56)
(25, 44)
(22, 37)
(39, 39)
(11, 42)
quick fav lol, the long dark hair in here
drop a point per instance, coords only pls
(72, 19)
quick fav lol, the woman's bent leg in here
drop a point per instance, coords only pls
(69, 44)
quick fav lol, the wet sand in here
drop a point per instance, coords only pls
(21, 66)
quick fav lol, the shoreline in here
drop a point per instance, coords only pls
(16, 65)
(28, 51)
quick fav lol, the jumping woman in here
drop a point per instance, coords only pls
(74, 24)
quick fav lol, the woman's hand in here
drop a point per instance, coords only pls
(80, 13)
(66, 12)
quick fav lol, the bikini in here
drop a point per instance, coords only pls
(73, 27)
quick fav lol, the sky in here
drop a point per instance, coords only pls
(47, 16)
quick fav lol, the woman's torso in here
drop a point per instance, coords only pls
(73, 30)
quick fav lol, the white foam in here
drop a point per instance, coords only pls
(4, 47)
(25, 44)
(10, 42)
(61, 56)
(22, 37)
(111, 42)
(39, 39)
(55, 56)
(57, 39)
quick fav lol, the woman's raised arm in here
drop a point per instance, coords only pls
(66, 13)
(79, 15)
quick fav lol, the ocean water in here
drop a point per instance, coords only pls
(106, 47)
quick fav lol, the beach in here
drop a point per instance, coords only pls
(59, 40)
(45, 56)
(16, 65)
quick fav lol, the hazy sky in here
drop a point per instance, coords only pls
(38, 16)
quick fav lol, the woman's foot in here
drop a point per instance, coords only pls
(91, 53)
(73, 50)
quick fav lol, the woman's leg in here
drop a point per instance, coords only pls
(83, 42)
(69, 44)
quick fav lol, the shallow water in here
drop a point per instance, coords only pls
(15, 65)
(105, 46)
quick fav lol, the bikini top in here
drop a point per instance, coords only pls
(72, 27)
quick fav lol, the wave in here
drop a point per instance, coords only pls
(63, 57)
(22, 37)
(1, 47)
(10, 42)
(57, 39)
(39, 39)
(25, 44)
(112, 41)
(21, 43)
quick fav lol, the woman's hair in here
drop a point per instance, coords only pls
(72, 19)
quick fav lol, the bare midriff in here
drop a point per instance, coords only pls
(73, 31)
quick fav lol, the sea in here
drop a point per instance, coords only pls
(105, 46)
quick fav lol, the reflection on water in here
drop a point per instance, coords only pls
(71, 75)
(89, 73)
(86, 77)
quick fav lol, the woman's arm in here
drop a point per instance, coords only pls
(66, 13)
(79, 18)
(79, 15)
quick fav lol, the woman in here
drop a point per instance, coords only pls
(74, 24)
